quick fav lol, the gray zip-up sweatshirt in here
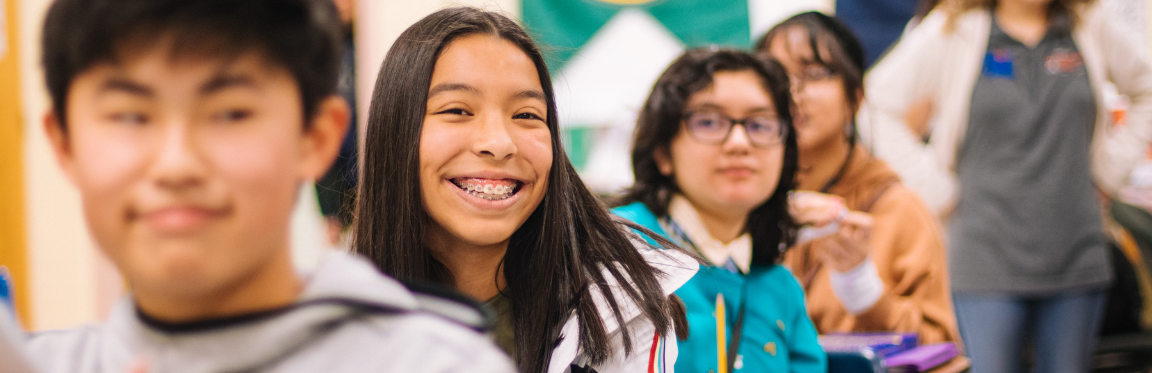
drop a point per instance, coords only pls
(349, 318)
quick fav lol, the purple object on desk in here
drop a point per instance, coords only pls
(882, 344)
(922, 358)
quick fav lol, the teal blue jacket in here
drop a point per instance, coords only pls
(778, 336)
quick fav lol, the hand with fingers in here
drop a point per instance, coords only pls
(841, 234)
(815, 209)
(849, 246)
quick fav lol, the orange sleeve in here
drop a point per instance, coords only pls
(908, 249)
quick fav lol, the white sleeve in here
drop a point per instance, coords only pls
(903, 77)
(1128, 68)
(859, 288)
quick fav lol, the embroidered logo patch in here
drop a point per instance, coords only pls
(1063, 61)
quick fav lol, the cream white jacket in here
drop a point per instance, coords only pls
(942, 66)
(650, 351)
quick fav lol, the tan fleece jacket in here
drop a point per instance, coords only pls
(908, 249)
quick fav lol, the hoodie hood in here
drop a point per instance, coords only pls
(348, 318)
(341, 287)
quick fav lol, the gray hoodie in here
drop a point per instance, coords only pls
(349, 318)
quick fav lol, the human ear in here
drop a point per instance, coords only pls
(663, 160)
(323, 138)
(58, 140)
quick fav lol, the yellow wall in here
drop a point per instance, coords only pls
(12, 243)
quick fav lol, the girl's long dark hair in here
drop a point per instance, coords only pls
(566, 247)
(844, 58)
(770, 225)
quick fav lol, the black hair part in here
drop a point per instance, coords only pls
(835, 47)
(553, 260)
(302, 36)
(659, 122)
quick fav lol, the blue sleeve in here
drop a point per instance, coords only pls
(806, 353)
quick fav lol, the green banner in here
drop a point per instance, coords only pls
(562, 27)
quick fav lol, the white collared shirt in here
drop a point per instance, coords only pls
(685, 216)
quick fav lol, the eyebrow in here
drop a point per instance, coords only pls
(756, 110)
(218, 83)
(707, 106)
(449, 87)
(530, 94)
(225, 81)
(119, 84)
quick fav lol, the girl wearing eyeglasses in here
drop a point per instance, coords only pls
(714, 157)
(884, 269)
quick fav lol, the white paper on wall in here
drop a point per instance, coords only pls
(3, 28)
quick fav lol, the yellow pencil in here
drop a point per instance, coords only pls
(721, 340)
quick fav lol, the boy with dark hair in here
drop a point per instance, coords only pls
(188, 128)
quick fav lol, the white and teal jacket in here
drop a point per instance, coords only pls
(651, 351)
(777, 335)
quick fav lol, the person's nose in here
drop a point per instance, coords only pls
(737, 141)
(795, 84)
(179, 163)
(492, 138)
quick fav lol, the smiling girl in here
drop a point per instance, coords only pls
(466, 184)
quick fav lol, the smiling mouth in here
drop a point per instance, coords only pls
(489, 189)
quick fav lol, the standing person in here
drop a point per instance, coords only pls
(466, 184)
(189, 127)
(894, 277)
(714, 157)
(1020, 144)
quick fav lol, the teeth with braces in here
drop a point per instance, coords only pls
(488, 192)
